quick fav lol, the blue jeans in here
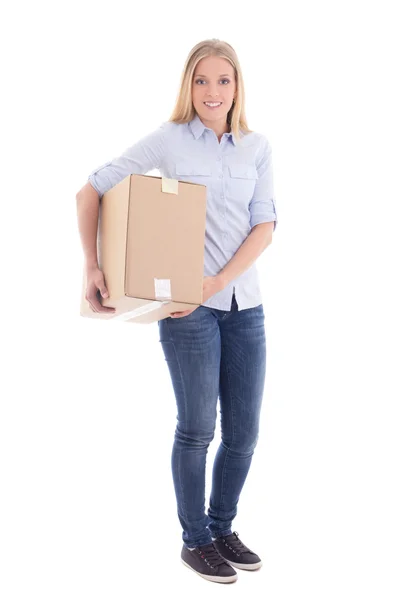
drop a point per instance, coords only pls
(214, 353)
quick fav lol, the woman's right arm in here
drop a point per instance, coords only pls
(144, 155)
(87, 205)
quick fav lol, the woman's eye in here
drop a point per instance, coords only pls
(198, 80)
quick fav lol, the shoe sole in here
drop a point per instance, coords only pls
(249, 567)
(229, 579)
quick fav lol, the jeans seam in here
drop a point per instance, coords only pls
(186, 404)
(221, 503)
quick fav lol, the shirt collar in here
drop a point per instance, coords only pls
(197, 127)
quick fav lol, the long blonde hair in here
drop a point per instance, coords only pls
(184, 110)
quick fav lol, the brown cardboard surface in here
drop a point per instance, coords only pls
(149, 242)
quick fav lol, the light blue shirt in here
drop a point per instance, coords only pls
(239, 180)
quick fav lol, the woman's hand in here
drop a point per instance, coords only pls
(95, 285)
(211, 286)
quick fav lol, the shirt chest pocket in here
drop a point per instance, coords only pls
(243, 179)
(195, 173)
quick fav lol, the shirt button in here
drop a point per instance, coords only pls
(221, 176)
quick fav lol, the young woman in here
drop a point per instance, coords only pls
(219, 348)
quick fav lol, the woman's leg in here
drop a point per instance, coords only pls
(192, 349)
(242, 377)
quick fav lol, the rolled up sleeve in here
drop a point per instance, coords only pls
(262, 206)
(143, 156)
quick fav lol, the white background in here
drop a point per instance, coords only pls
(87, 505)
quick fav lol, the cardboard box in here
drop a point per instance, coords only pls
(150, 247)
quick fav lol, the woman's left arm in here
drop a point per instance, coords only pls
(256, 242)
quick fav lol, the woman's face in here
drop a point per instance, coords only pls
(213, 81)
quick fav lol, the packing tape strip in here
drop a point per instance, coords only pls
(169, 186)
(142, 310)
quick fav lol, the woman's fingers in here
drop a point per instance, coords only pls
(182, 313)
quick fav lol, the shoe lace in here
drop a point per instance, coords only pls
(211, 555)
(234, 543)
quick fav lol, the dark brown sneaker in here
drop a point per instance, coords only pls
(236, 553)
(207, 562)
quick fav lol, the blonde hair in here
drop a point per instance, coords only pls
(184, 110)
